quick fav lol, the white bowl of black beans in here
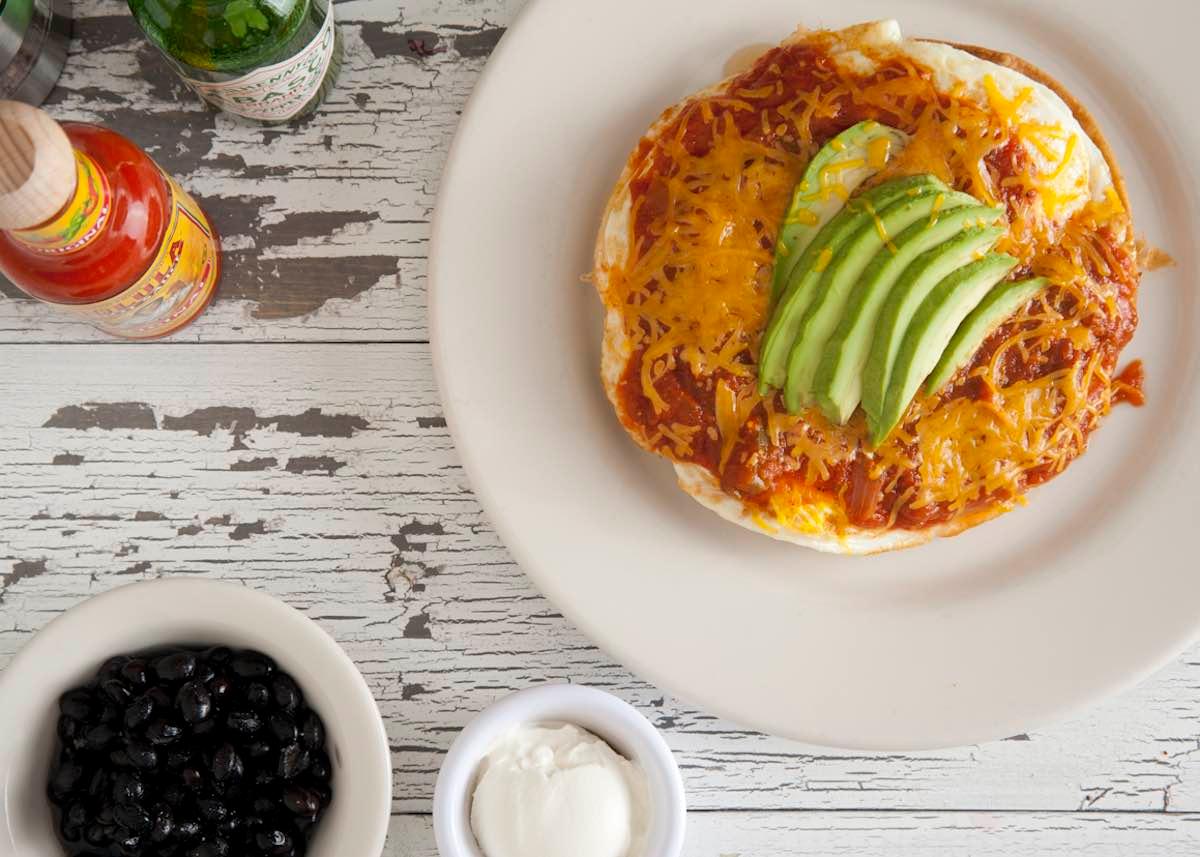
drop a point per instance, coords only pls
(189, 718)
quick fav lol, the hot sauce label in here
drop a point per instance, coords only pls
(177, 285)
(278, 92)
(83, 217)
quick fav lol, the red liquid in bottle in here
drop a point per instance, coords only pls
(131, 252)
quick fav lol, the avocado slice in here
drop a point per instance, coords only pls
(1000, 303)
(829, 303)
(789, 311)
(837, 385)
(902, 302)
(847, 160)
(932, 327)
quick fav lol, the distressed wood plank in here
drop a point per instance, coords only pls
(324, 225)
(872, 834)
(324, 474)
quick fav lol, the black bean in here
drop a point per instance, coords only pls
(76, 704)
(129, 843)
(76, 815)
(263, 805)
(66, 779)
(273, 841)
(69, 731)
(193, 701)
(283, 728)
(138, 712)
(215, 847)
(301, 801)
(99, 737)
(112, 667)
(127, 788)
(116, 690)
(173, 795)
(205, 672)
(70, 832)
(160, 696)
(226, 764)
(136, 672)
(321, 790)
(251, 665)
(164, 823)
(243, 722)
(256, 695)
(192, 778)
(132, 818)
(312, 733)
(319, 766)
(211, 752)
(220, 686)
(232, 791)
(98, 784)
(286, 694)
(212, 809)
(96, 835)
(163, 731)
(175, 666)
(204, 727)
(142, 756)
(292, 761)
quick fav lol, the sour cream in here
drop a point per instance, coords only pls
(555, 790)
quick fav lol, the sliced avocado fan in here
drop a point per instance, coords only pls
(837, 385)
(806, 275)
(873, 236)
(930, 331)
(875, 293)
(1000, 303)
(903, 301)
(834, 173)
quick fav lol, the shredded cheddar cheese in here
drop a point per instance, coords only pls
(694, 294)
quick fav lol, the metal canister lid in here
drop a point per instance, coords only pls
(33, 47)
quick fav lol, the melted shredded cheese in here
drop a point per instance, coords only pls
(697, 291)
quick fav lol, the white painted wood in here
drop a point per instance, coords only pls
(367, 524)
(861, 834)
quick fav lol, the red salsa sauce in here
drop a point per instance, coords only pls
(757, 468)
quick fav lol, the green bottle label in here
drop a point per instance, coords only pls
(275, 93)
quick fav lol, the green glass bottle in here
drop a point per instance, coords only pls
(270, 60)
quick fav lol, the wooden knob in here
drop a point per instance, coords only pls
(37, 166)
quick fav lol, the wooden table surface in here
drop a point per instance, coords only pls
(292, 440)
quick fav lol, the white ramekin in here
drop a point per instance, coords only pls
(67, 652)
(612, 719)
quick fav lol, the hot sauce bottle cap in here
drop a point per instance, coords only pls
(37, 166)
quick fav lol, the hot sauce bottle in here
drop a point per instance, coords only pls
(92, 225)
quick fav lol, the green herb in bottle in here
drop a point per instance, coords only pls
(270, 60)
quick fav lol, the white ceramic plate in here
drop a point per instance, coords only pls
(1086, 590)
